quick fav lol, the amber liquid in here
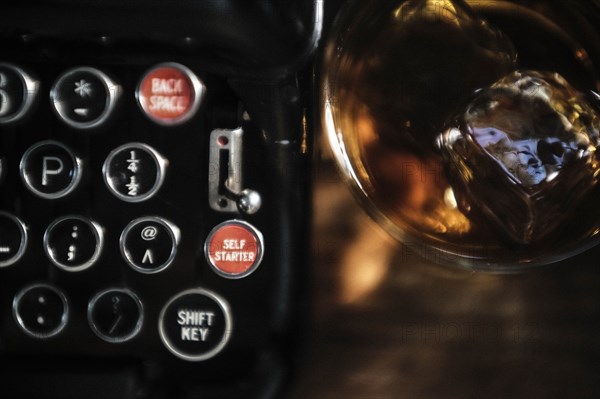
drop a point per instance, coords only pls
(390, 122)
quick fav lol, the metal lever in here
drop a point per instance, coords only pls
(225, 192)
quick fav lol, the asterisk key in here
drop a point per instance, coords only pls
(83, 88)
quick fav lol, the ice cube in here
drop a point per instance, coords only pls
(522, 156)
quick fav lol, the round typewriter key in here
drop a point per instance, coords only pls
(170, 94)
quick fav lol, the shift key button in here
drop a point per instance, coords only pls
(196, 324)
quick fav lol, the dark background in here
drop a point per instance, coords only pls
(389, 324)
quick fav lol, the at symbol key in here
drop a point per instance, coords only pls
(149, 244)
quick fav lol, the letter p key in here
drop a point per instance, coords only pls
(52, 166)
(49, 169)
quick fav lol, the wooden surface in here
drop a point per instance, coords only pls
(391, 325)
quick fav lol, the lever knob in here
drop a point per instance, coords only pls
(248, 201)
